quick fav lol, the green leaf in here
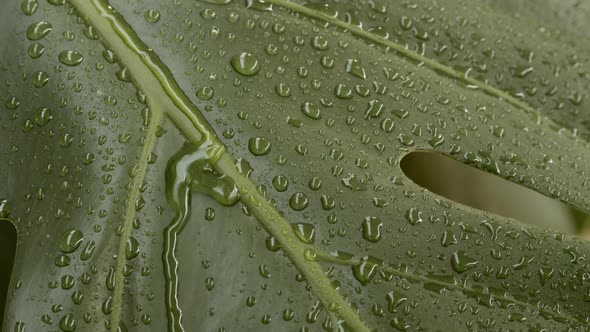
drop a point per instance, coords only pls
(234, 165)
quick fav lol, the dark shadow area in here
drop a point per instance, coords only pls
(484, 191)
(7, 253)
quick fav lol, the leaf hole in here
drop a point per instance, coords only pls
(8, 239)
(478, 189)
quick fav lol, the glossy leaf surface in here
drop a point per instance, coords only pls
(130, 132)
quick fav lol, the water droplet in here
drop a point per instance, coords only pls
(288, 314)
(67, 323)
(260, 5)
(310, 255)
(298, 201)
(36, 50)
(217, 2)
(305, 232)
(67, 282)
(38, 30)
(315, 183)
(319, 43)
(374, 109)
(448, 239)
(70, 58)
(387, 125)
(522, 71)
(311, 110)
(259, 146)
(372, 229)
(354, 67)
(209, 283)
(131, 248)
(151, 16)
(516, 317)
(283, 90)
(342, 91)
(29, 7)
(394, 300)
(366, 269)
(209, 214)
(40, 79)
(246, 64)
(414, 216)
(12, 104)
(62, 260)
(280, 183)
(70, 241)
(461, 262)
(545, 273)
(272, 244)
(87, 251)
(205, 93)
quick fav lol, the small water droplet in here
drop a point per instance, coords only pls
(205, 93)
(151, 16)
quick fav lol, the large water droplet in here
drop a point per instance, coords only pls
(70, 58)
(298, 201)
(354, 67)
(246, 64)
(131, 248)
(280, 182)
(38, 30)
(29, 7)
(366, 269)
(259, 146)
(461, 262)
(67, 323)
(311, 110)
(36, 50)
(260, 5)
(70, 241)
(372, 229)
(414, 216)
(305, 232)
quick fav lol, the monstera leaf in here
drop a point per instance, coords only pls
(230, 165)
